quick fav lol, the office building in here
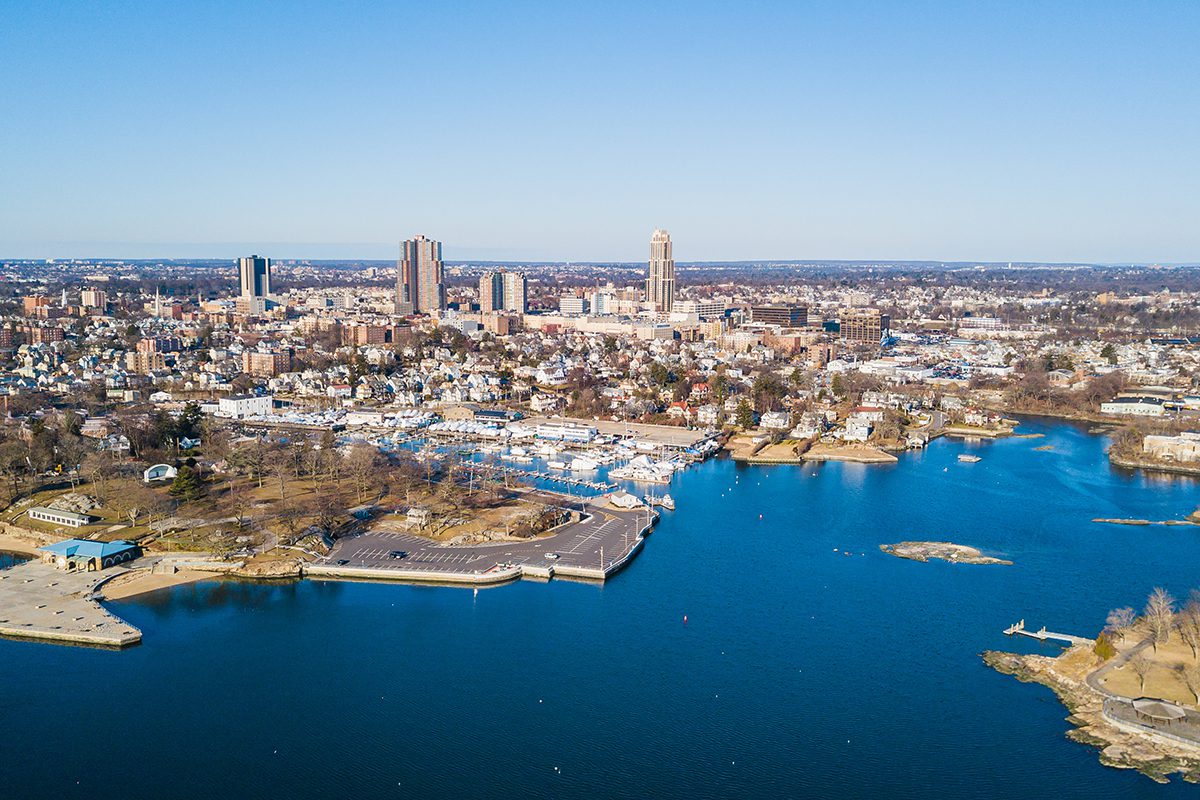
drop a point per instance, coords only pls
(863, 325)
(787, 316)
(603, 302)
(570, 304)
(421, 277)
(705, 310)
(660, 280)
(254, 273)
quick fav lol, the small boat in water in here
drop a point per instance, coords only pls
(969, 459)
(556, 464)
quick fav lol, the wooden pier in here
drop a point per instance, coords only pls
(497, 469)
(1042, 634)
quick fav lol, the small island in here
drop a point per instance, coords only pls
(946, 551)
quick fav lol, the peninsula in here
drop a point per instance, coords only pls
(1134, 691)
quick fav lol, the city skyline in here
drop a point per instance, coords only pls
(950, 133)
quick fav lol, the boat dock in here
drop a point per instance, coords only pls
(566, 480)
(1042, 634)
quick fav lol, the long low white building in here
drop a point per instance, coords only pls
(1135, 406)
(241, 406)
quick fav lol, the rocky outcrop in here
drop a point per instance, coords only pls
(946, 551)
(1122, 748)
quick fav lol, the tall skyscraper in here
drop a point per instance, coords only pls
(255, 276)
(660, 282)
(421, 277)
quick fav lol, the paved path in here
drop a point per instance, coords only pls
(41, 602)
(1116, 662)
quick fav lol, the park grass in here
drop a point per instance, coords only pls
(1162, 681)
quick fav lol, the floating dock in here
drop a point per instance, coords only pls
(1042, 634)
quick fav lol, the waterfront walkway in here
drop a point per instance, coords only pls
(38, 601)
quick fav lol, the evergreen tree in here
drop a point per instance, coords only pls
(745, 416)
(188, 485)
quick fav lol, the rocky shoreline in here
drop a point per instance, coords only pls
(945, 551)
(1153, 756)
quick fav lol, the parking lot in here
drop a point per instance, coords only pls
(599, 543)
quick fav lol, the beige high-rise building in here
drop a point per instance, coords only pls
(515, 294)
(93, 298)
(420, 277)
(660, 282)
(503, 291)
(491, 291)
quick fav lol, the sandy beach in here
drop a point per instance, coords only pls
(143, 581)
(12, 544)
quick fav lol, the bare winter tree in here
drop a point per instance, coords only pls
(1160, 613)
(238, 498)
(362, 465)
(1119, 621)
(1190, 675)
(1188, 623)
(127, 503)
(1141, 666)
(278, 463)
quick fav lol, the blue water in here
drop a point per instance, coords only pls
(800, 672)
(9, 559)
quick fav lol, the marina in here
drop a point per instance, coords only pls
(217, 649)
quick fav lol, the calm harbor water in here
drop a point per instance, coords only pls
(800, 671)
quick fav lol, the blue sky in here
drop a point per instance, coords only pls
(751, 130)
